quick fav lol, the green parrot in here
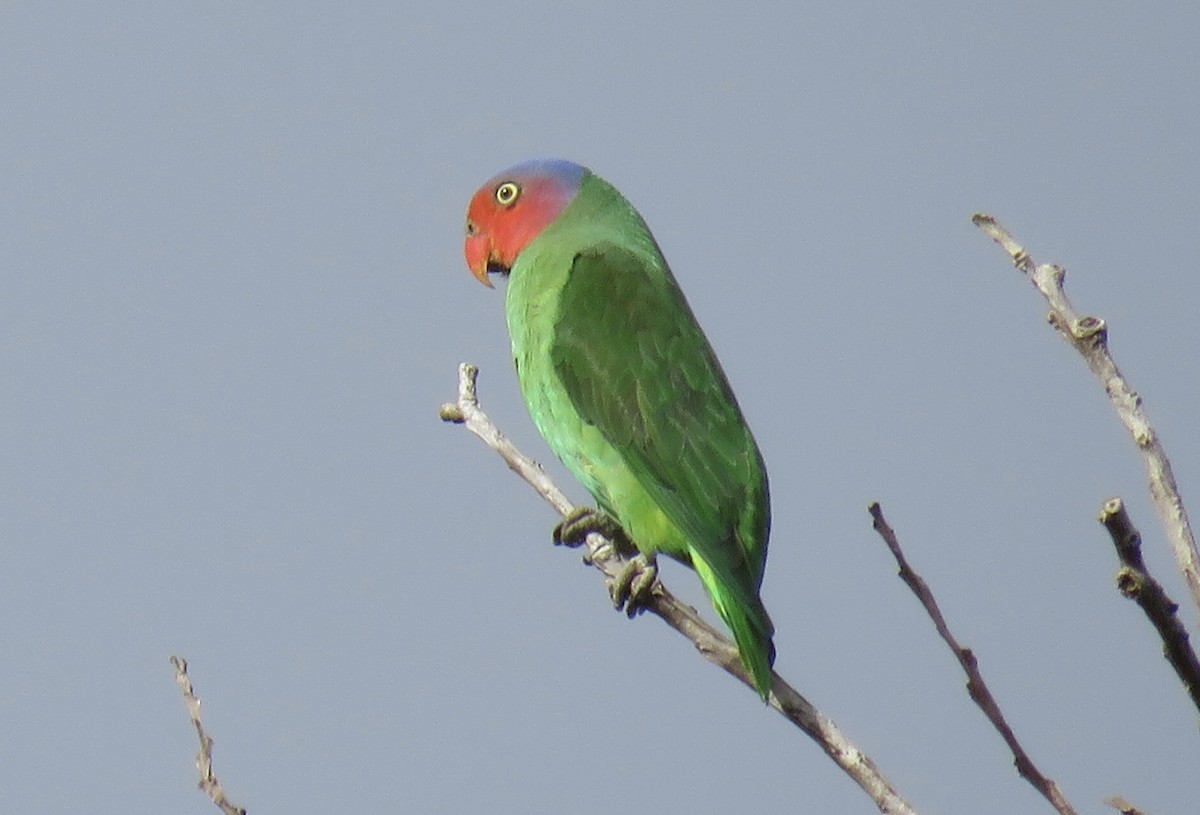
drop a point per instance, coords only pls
(623, 385)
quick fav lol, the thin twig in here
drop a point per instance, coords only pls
(208, 783)
(604, 556)
(1136, 583)
(1089, 336)
(976, 686)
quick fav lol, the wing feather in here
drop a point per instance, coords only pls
(637, 367)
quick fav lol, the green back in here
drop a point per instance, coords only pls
(607, 348)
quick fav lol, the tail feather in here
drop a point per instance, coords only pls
(751, 626)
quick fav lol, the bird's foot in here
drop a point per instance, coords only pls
(574, 529)
(633, 587)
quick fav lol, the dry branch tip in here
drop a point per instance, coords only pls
(1089, 337)
(977, 687)
(208, 783)
(1135, 582)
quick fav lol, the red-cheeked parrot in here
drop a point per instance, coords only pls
(623, 385)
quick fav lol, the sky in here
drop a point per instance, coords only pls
(233, 298)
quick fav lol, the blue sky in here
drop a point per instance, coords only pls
(234, 298)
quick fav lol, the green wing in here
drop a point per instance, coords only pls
(637, 367)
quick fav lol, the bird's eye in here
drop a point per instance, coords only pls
(507, 194)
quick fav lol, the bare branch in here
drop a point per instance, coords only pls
(976, 686)
(208, 783)
(1089, 336)
(604, 556)
(1135, 582)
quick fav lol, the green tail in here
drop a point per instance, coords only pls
(751, 627)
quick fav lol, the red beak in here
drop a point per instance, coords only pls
(478, 250)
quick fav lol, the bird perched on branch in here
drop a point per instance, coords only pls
(624, 387)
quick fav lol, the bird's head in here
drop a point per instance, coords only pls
(513, 208)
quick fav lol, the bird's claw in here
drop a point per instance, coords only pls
(633, 587)
(573, 530)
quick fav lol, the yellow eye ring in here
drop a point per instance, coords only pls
(507, 194)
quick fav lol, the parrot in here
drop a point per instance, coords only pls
(623, 385)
